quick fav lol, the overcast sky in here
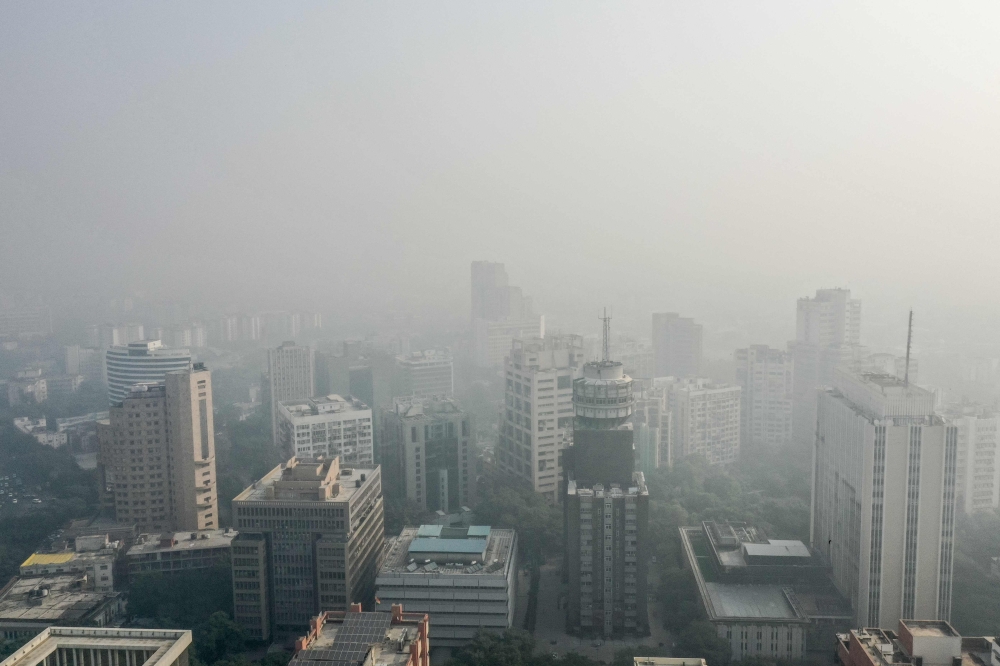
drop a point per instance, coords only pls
(719, 159)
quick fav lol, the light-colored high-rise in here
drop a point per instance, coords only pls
(883, 498)
(425, 374)
(291, 376)
(500, 314)
(327, 426)
(157, 455)
(536, 421)
(977, 473)
(676, 345)
(705, 418)
(143, 362)
(652, 423)
(765, 375)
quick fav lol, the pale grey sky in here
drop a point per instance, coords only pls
(715, 158)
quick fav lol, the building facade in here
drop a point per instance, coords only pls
(291, 376)
(705, 418)
(311, 534)
(765, 377)
(426, 374)
(500, 314)
(977, 471)
(339, 638)
(883, 498)
(142, 362)
(536, 420)
(676, 345)
(327, 426)
(171, 552)
(106, 646)
(652, 425)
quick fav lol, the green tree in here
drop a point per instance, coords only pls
(217, 638)
(700, 640)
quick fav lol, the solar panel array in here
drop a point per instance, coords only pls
(353, 640)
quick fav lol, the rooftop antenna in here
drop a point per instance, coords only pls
(606, 348)
(909, 340)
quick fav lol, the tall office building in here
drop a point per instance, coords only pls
(977, 471)
(536, 420)
(25, 322)
(327, 426)
(427, 373)
(490, 291)
(676, 345)
(500, 314)
(143, 362)
(605, 509)
(652, 425)
(310, 538)
(430, 441)
(290, 376)
(705, 418)
(827, 336)
(156, 462)
(765, 377)
(883, 498)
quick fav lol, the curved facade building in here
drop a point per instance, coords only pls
(144, 362)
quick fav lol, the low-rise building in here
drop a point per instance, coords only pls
(94, 557)
(668, 661)
(328, 426)
(63, 385)
(57, 646)
(29, 605)
(464, 578)
(38, 428)
(915, 643)
(180, 551)
(339, 638)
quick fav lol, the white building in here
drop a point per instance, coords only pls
(883, 498)
(93, 555)
(144, 362)
(492, 340)
(464, 578)
(765, 375)
(327, 426)
(291, 376)
(705, 418)
(427, 373)
(653, 427)
(104, 646)
(536, 421)
(977, 472)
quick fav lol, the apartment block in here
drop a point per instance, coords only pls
(652, 425)
(705, 418)
(427, 373)
(327, 426)
(765, 377)
(677, 345)
(291, 376)
(977, 468)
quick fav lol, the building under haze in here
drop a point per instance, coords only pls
(142, 362)
(705, 419)
(156, 462)
(977, 470)
(536, 420)
(427, 373)
(327, 426)
(765, 377)
(883, 498)
(500, 314)
(290, 376)
(310, 538)
(676, 345)
(652, 426)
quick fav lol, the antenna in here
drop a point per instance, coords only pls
(606, 349)
(909, 340)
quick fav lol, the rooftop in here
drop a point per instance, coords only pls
(777, 548)
(929, 628)
(152, 543)
(473, 553)
(165, 644)
(750, 601)
(668, 661)
(347, 639)
(324, 404)
(66, 598)
(428, 407)
(308, 480)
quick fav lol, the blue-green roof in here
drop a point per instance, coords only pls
(479, 531)
(464, 546)
(429, 531)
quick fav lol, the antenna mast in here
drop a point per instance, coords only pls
(606, 349)
(909, 340)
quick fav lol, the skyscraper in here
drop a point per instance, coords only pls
(883, 498)
(143, 362)
(765, 377)
(977, 473)
(291, 376)
(605, 508)
(536, 420)
(705, 418)
(427, 373)
(676, 345)
(490, 291)
(500, 314)
(157, 454)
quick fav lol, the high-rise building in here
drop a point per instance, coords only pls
(765, 375)
(490, 291)
(157, 454)
(827, 336)
(327, 426)
(536, 420)
(25, 322)
(143, 362)
(492, 340)
(676, 345)
(430, 441)
(977, 471)
(652, 425)
(606, 508)
(705, 418)
(311, 534)
(883, 498)
(427, 373)
(500, 314)
(291, 376)
(84, 361)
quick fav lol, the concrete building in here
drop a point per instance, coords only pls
(86, 361)
(327, 426)
(28, 387)
(705, 418)
(29, 605)
(652, 425)
(492, 340)
(427, 374)
(25, 322)
(668, 661)
(38, 428)
(915, 643)
(339, 638)
(765, 377)
(536, 421)
(311, 534)
(171, 552)
(676, 345)
(157, 454)
(93, 556)
(500, 314)
(464, 578)
(430, 442)
(977, 466)
(883, 498)
(291, 376)
(143, 362)
(60, 386)
(827, 336)
(63, 646)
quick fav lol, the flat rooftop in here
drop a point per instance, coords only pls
(929, 628)
(749, 601)
(348, 480)
(203, 539)
(777, 548)
(65, 600)
(165, 644)
(347, 642)
(499, 548)
(324, 405)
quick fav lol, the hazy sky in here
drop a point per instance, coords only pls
(719, 159)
